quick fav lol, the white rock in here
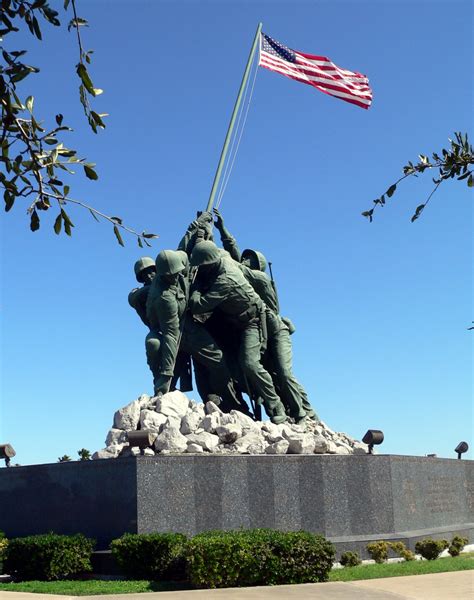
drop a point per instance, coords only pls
(195, 449)
(128, 417)
(343, 450)
(229, 433)
(174, 404)
(280, 447)
(246, 422)
(331, 447)
(115, 436)
(208, 441)
(211, 422)
(273, 433)
(171, 439)
(250, 443)
(321, 446)
(110, 452)
(148, 452)
(301, 443)
(191, 421)
(151, 420)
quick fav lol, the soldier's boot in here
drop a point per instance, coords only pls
(301, 420)
(277, 413)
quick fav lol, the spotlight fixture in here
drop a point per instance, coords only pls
(7, 452)
(461, 448)
(372, 438)
(141, 439)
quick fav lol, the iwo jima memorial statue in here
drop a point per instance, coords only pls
(177, 465)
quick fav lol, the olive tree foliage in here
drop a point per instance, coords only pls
(454, 162)
(36, 164)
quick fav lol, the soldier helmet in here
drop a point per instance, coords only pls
(184, 258)
(204, 253)
(169, 262)
(256, 258)
(143, 263)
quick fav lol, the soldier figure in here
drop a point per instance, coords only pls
(279, 357)
(230, 293)
(145, 273)
(167, 311)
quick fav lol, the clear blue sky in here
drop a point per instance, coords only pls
(381, 309)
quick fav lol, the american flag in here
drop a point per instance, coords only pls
(317, 71)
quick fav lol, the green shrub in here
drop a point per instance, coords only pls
(350, 559)
(257, 557)
(457, 544)
(431, 549)
(151, 556)
(402, 551)
(3, 548)
(49, 556)
(378, 551)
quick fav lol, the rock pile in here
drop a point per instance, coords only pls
(181, 425)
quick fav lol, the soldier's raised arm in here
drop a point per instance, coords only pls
(189, 238)
(229, 242)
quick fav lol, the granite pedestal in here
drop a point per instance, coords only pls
(349, 499)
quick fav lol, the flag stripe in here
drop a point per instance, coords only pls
(317, 71)
(269, 61)
(362, 102)
(319, 82)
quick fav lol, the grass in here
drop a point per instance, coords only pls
(94, 586)
(414, 567)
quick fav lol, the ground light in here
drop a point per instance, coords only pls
(461, 448)
(7, 452)
(373, 437)
(141, 439)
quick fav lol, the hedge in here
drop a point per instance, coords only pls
(48, 557)
(257, 557)
(151, 556)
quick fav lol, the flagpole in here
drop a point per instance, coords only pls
(232, 120)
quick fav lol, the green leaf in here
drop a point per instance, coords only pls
(68, 224)
(94, 215)
(66, 4)
(149, 236)
(77, 22)
(20, 75)
(418, 211)
(59, 119)
(118, 236)
(86, 80)
(98, 91)
(97, 119)
(9, 200)
(117, 220)
(368, 214)
(90, 173)
(66, 190)
(391, 190)
(36, 28)
(140, 243)
(470, 181)
(57, 224)
(34, 222)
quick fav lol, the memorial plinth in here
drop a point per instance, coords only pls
(349, 499)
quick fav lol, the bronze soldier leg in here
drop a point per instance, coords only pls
(258, 378)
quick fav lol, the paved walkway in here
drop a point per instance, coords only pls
(439, 586)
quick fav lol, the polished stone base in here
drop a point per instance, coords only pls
(349, 499)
